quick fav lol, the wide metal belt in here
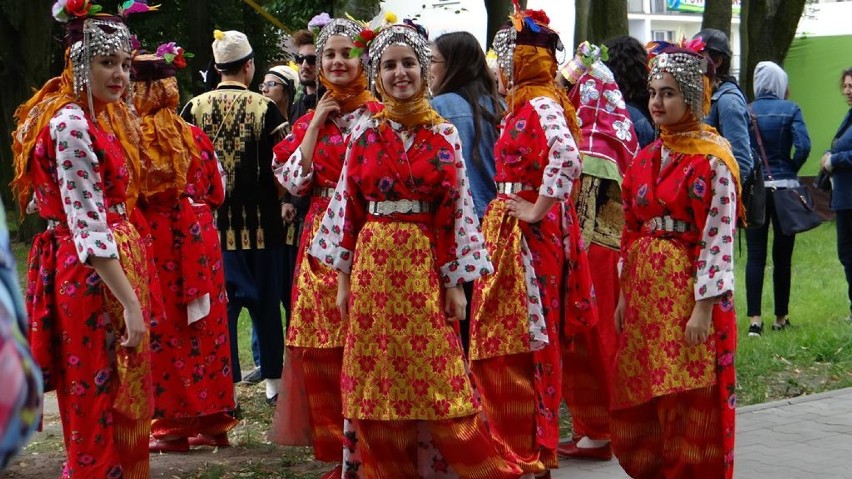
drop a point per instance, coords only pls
(507, 188)
(326, 192)
(384, 208)
(667, 223)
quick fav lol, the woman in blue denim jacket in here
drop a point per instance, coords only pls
(466, 96)
(839, 162)
(782, 131)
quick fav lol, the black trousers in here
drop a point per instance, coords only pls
(844, 247)
(782, 259)
(253, 281)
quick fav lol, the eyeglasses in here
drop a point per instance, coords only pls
(269, 85)
(433, 60)
(311, 59)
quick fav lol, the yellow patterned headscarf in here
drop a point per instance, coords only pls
(166, 140)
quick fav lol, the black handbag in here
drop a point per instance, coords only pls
(753, 195)
(823, 180)
(794, 207)
(795, 210)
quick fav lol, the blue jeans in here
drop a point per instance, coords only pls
(782, 256)
(844, 247)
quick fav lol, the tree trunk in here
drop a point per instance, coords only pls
(582, 20)
(364, 9)
(717, 14)
(767, 29)
(25, 53)
(498, 13)
(199, 35)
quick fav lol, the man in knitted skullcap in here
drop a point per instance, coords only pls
(240, 123)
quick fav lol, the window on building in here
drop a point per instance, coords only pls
(663, 35)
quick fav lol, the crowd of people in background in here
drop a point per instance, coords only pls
(458, 245)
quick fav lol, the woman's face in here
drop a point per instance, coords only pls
(847, 89)
(400, 72)
(666, 103)
(274, 89)
(110, 76)
(338, 68)
(437, 68)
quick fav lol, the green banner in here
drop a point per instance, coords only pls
(696, 6)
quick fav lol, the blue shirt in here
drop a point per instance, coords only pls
(641, 125)
(457, 111)
(729, 115)
(782, 130)
(841, 166)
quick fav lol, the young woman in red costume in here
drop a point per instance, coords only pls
(673, 404)
(88, 281)
(309, 162)
(533, 238)
(193, 386)
(608, 145)
(402, 232)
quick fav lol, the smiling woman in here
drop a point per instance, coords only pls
(110, 76)
(403, 235)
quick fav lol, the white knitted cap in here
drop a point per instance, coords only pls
(230, 47)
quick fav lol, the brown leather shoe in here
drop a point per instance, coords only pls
(570, 450)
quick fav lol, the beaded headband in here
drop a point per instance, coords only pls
(504, 47)
(337, 26)
(101, 36)
(688, 69)
(402, 35)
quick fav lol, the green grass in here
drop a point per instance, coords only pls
(816, 353)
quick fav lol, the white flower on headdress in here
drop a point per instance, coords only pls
(588, 92)
(622, 129)
(59, 12)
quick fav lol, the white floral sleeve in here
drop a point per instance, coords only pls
(714, 273)
(564, 164)
(289, 172)
(471, 258)
(78, 172)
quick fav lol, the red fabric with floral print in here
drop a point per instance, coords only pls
(192, 361)
(75, 341)
(698, 190)
(328, 152)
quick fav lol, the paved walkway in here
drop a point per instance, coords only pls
(809, 437)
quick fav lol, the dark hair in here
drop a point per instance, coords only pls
(467, 74)
(302, 37)
(628, 61)
(846, 73)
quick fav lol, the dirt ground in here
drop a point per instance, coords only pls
(250, 455)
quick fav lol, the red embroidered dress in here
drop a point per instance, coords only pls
(402, 359)
(519, 309)
(310, 410)
(104, 390)
(193, 388)
(664, 274)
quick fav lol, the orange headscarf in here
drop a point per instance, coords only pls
(34, 114)
(166, 140)
(691, 137)
(351, 96)
(534, 76)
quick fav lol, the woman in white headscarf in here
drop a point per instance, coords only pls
(781, 140)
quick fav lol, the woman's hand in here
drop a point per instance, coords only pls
(619, 313)
(825, 161)
(134, 325)
(325, 107)
(454, 306)
(698, 327)
(529, 212)
(343, 295)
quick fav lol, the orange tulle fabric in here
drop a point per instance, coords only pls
(166, 140)
(350, 97)
(534, 73)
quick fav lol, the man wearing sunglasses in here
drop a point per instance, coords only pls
(306, 58)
